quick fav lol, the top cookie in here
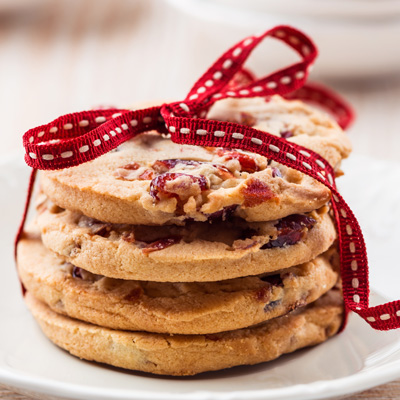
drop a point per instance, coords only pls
(151, 180)
(293, 120)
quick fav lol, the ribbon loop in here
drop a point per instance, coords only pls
(73, 139)
(214, 84)
(325, 98)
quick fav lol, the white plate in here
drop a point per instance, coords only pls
(357, 359)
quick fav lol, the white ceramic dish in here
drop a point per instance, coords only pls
(357, 359)
(357, 38)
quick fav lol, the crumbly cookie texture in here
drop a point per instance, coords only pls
(183, 308)
(194, 252)
(192, 354)
(152, 181)
(293, 120)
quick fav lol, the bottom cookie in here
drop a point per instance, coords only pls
(192, 354)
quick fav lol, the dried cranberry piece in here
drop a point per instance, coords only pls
(247, 162)
(77, 272)
(256, 192)
(104, 230)
(276, 172)
(158, 184)
(223, 214)
(246, 119)
(128, 237)
(87, 276)
(287, 239)
(274, 280)
(291, 230)
(223, 172)
(161, 244)
(131, 166)
(295, 222)
(286, 134)
(146, 175)
(263, 294)
(270, 306)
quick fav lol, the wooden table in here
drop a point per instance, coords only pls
(68, 55)
(390, 391)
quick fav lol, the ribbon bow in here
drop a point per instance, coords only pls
(76, 138)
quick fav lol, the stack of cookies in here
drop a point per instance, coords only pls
(176, 259)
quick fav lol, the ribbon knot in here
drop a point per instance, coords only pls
(76, 138)
(215, 84)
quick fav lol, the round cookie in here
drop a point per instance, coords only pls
(183, 308)
(152, 181)
(194, 252)
(192, 354)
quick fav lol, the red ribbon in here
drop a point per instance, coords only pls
(80, 137)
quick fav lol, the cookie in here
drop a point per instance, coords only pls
(153, 181)
(194, 252)
(293, 120)
(192, 354)
(184, 308)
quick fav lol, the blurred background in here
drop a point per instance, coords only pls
(59, 56)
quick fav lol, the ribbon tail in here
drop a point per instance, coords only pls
(20, 231)
(328, 100)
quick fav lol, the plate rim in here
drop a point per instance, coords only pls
(321, 389)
